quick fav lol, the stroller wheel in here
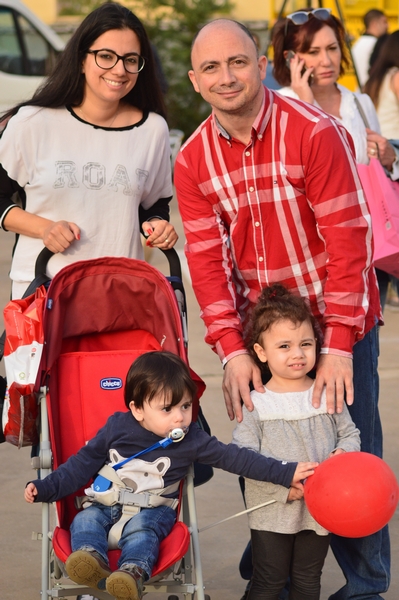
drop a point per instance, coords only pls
(173, 597)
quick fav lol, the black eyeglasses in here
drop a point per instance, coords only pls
(107, 59)
(302, 16)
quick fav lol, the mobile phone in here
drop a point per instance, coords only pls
(289, 57)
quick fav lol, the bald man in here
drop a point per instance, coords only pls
(268, 192)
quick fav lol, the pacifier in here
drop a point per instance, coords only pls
(177, 434)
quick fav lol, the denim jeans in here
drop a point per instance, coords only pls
(140, 538)
(365, 562)
(383, 282)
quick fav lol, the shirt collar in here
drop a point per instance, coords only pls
(260, 122)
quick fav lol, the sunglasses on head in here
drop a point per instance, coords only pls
(302, 16)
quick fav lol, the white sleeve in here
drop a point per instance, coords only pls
(158, 184)
(288, 92)
(14, 149)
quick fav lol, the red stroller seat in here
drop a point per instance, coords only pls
(82, 411)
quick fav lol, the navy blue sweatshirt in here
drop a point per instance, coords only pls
(122, 437)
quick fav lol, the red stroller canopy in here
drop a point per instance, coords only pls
(108, 295)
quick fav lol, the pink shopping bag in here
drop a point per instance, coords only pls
(382, 196)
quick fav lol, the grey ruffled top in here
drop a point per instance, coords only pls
(287, 427)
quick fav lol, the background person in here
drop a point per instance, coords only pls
(376, 24)
(376, 50)
(383, 86)
(260, 208)
(383, 89)
(319, 59)
(283, 337)
(89, 153)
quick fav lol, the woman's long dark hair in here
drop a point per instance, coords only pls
(65, 85)
(298, 38)
(387, 58)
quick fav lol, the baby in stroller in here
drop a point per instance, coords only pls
(159, 393)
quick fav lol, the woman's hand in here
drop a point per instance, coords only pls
(59, 235)
(301, 79)
(160, 234)
(379, 147)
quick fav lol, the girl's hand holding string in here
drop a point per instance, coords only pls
(302, 471)
(294, 494)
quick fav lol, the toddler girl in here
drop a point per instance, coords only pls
(283, 338)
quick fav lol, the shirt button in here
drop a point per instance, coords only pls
(257, 224)
(260, 137)
(251, 189)
(247, 153)
(260, 258)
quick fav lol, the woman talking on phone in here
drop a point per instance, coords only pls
(309, 57)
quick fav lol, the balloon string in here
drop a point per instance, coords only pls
(243, 512)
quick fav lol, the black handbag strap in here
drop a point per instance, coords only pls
(361, 111)
(364, 118)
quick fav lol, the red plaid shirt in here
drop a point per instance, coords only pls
(289, 208)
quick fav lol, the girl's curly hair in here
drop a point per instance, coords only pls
(276, 303)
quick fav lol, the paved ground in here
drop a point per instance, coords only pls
(221, 546)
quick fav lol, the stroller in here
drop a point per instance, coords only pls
(100, 315)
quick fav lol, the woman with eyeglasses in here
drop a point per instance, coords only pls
(89, 154)
(309, 57)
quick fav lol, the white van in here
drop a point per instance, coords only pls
(28, 50)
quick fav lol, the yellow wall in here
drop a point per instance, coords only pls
(266, 11)
(252, 10)
(46, 10)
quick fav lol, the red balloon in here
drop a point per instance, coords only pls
(353, 494)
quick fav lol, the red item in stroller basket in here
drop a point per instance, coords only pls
(22, 353)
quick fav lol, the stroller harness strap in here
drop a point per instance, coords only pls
(109, 473)
(145, 500)
(121, 494)
(109, 489)
(115, 532)
(132, 504)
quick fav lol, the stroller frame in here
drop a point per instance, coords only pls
(183, 576)
(182, 582)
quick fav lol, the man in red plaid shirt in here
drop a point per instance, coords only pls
(268, 192)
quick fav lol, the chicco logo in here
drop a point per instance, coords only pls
(111, 383)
